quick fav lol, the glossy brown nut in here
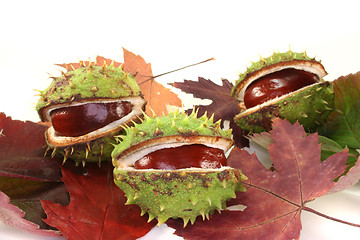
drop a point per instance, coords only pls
(277, 84)
(196, 155)
(82, 119)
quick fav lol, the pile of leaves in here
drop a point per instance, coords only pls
(41, 195)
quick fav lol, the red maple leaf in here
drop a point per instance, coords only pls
(97, 208)
(22, 151)
(26, 175)
(274, 199)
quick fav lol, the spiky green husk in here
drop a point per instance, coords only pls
(96, 151)
(85, 84)
(310, 107)
(277, 57)
(180, 193)
(89, 82)
(175, 123)
(184, 193)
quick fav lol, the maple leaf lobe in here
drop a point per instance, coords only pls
(97, 208)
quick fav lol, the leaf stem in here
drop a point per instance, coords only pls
(328, 217)
(194, 64)
(178, 69)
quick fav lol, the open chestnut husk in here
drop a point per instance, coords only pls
(174, 166)
(288, 85)
(87, 107)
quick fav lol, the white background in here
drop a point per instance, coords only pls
(35, 35)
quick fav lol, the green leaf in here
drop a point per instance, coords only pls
(21, 188)
(347, 92)
(330, 147)
(343, 125)
(345, 128)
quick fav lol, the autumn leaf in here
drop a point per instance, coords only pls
(97, 208)
(223, 105)
(14, 217)
(22, 148)
(157, 96)
(26, 175)
(350, 179)
(274, 199)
